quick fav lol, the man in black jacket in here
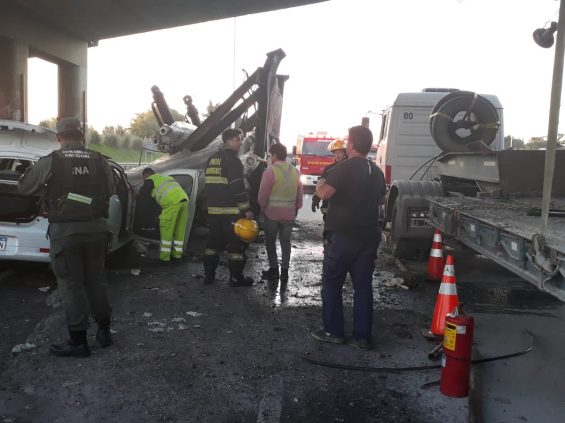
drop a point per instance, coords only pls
(354, 188)
(78, 183)
(227, 202)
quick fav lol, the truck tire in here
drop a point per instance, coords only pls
(400, 247)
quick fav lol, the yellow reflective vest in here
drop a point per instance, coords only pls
(283, 193)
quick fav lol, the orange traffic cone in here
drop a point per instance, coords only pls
(447, 299)
(436, 262)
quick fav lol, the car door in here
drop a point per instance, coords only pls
(120, 212)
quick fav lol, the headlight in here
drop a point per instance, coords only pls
(416, 213)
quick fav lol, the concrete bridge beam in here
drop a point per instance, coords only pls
(13, 79)
(36, 38)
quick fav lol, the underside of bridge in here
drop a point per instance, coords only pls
(60, 31)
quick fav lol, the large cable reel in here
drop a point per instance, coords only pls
(463, 119)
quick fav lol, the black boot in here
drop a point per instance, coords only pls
(103, 335)
(271, 274)
(210, 264)
(77, 346)
(240, 280)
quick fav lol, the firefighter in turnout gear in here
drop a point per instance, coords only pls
(338, 148)
(227, 201)
(174, 212)
(76, 185)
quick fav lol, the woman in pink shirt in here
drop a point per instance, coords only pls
(280, 197)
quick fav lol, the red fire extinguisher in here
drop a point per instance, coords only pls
(456, 360)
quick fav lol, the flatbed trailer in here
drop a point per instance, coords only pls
(492, 204)
(503, 232)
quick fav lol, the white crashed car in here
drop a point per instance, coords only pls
(23, 227)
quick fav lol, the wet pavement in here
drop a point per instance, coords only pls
(187, 352)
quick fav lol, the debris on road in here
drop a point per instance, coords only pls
(193, 313)
(135, 272)
(23, 348)
(44, 288)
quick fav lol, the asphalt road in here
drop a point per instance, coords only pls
(185, 352)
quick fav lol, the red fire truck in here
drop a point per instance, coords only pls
(312, 156)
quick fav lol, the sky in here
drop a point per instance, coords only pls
(346, 59)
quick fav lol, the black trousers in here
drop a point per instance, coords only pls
(78, 264)
(222, 235)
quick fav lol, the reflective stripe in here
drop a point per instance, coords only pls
(181, 243)
(234, 256)
(448, 289)
(165, 250)
(243, 206)
(449, 270)
(216, 180)
(177, 250)
(79, 198)
(163, 242)
(210, 252)
(223, 210)
(436, 253)
(164, 189)
(437, 238)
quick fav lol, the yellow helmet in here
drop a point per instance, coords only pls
(337, 144)
(246, 229)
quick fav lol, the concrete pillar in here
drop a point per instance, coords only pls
(13, 79)
(72, 90)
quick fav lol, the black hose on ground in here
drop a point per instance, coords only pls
(529, 348)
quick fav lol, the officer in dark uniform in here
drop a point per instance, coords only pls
(76, 185)
(227, 202)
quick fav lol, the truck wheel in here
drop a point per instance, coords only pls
(401, 248)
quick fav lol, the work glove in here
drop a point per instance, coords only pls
(315, 203)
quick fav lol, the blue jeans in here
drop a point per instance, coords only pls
(344, 255)
(284, 229)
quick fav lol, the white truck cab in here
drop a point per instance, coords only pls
(405, 142)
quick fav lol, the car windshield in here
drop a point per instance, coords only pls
(316, 148)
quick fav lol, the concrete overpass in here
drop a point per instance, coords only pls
(60, 31)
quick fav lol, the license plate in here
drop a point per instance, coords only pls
(3, 243)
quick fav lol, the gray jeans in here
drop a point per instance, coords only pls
(283, 228)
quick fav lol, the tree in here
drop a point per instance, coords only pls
(49, 123)
(137, 144)
(144, 125)
(108, 130)
(120, 130)
(125, 142)
(111, 140)
(536, 143)
(92, 136)
(518, 143)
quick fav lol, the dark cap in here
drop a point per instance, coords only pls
(68, 124)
